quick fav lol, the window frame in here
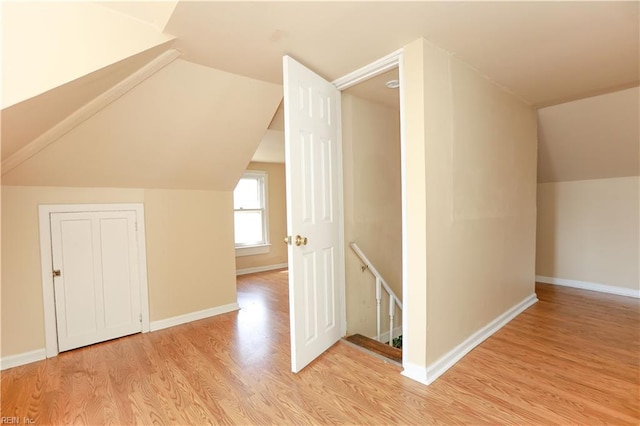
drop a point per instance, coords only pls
(263, 186)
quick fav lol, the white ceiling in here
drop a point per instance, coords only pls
(545, 52)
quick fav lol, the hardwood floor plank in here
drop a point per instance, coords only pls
(573, 358)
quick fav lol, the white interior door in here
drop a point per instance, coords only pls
(314, 198)
(96, 280)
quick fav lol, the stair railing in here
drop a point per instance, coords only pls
(381, 284)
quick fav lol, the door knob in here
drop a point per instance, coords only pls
(299, 241)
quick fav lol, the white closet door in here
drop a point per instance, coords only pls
(96, 279)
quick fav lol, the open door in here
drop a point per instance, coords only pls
(313, 155)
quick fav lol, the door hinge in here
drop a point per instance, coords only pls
(140, 318)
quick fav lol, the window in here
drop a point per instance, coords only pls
(250, 214)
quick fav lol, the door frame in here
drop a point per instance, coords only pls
(44, 212)
(375, 68)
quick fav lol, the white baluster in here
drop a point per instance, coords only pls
(392, 306)
(378, 296)
(380, 285)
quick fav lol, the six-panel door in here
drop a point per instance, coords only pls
(313, 165)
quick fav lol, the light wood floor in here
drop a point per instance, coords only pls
(570, 359)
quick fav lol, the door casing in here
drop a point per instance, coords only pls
(44, 211)
(375, 68)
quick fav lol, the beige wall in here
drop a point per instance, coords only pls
(190, 254)
(478, 156)
(190, 251)
(372, 207)
(277, 219)
(589, 230)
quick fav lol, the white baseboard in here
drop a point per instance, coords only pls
(415, 372)
(585, 285)
(429, 374)
(22, 359)
(40, 354)
(246, 271)
(193, 316)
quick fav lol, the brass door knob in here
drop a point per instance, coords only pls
(301, 241)
(287, 240)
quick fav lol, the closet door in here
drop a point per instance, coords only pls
(96, 284)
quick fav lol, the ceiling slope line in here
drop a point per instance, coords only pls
(88, 110)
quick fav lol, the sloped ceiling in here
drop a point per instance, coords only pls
(592, 138)
(156, 13)
(25, 121)
(545, 52)
(185, 127)
(271, 148)
(48, 44)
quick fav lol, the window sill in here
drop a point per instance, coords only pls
(253, 250)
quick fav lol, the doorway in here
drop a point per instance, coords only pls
(379, 67)
(373, 207)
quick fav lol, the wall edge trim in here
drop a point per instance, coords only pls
(193, 316)
(246, 271)
(88, 110)
(23, 358)
(590, 286)
(447, 361)
(415, 372)
(429, 374)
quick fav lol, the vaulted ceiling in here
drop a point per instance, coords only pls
(181, 125)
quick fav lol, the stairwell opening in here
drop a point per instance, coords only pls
(373, 214)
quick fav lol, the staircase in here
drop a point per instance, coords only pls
(376, 345)
(371, 345)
